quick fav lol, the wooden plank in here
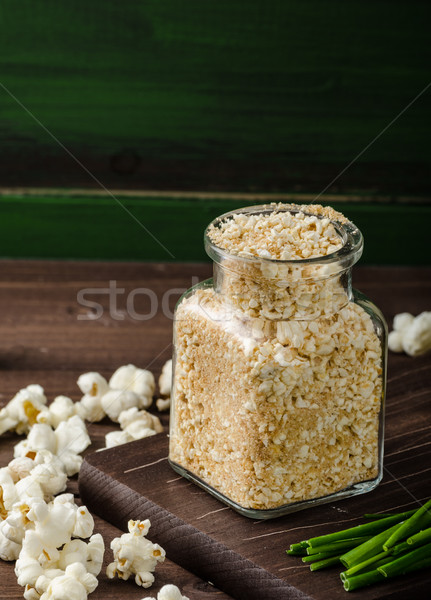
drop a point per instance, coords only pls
(246, 558)
(170, 227)
(43, 341)
(279, 96)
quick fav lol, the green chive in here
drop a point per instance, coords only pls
(419, 520)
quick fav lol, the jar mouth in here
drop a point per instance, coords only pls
(343, 258)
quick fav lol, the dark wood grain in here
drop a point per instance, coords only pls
(244, 557)
(42, 341)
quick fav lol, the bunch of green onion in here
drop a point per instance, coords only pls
(387, 546)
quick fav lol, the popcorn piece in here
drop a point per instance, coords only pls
(131, 417)
(117, 438)
(395, 341)
(169, 592)
(48, 471)
(22, 411)
(135, 425)
(8, 495)
(115, 401)
(411, 334)
(163, 404)
(46, 543)
(72, 439)
(93, 386)
(9, 550)
(139, 381)
(74, 584)
(60, 409)
(66, 442)
(90, 555)
(165, 379)
(135, 555)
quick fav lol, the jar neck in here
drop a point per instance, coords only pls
(301, 289)
(284, 291)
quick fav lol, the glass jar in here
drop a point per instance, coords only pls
(279, 377)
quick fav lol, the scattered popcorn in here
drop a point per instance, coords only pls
(21, 412)
(135, 555)
(9, 550)
(74, 584)
(93, 386)
(139, 381)
(67, 441)
(49, 558)
(163, 404)
(44, 532)
(169, 592)
(60, 409)
(115, 401)
(165, 383)
(135, 424)
(165, 379)
(117, 438)
(411, 334)
(128, 387)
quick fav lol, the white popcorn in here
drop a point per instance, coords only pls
(165, 379)
(169, 592)
(90, 555)
(74, 584)
(131, 417)
(60, 409)
(8, 494)
(72, 439)
(411, 334)
(66, 442)
(117, 438)
(135, 555)
(139, 381)
(9, 550)
(21, 412)
(115, 401)
(163, 404)
(93, 386)
(48, 471)
(47, 543)
(135, 424)
(395, 341)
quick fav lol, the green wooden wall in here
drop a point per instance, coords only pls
(268, 95)
(293, 97)
(166, 227)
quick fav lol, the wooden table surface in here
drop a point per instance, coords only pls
(61, 319)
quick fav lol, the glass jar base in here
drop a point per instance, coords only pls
(355, 489)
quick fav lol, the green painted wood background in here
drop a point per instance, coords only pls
(268, 95)
(264, 96)
(170, 228)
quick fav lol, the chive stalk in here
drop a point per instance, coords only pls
(340, 545)
(420, 538)
(408, 562)
(323, 564)
(364, 579)
(420, 519)
(368, 548)
(366, 529)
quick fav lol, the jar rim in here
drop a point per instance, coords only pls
(346, 256)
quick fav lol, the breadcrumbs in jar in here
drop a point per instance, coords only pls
(280, 366)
